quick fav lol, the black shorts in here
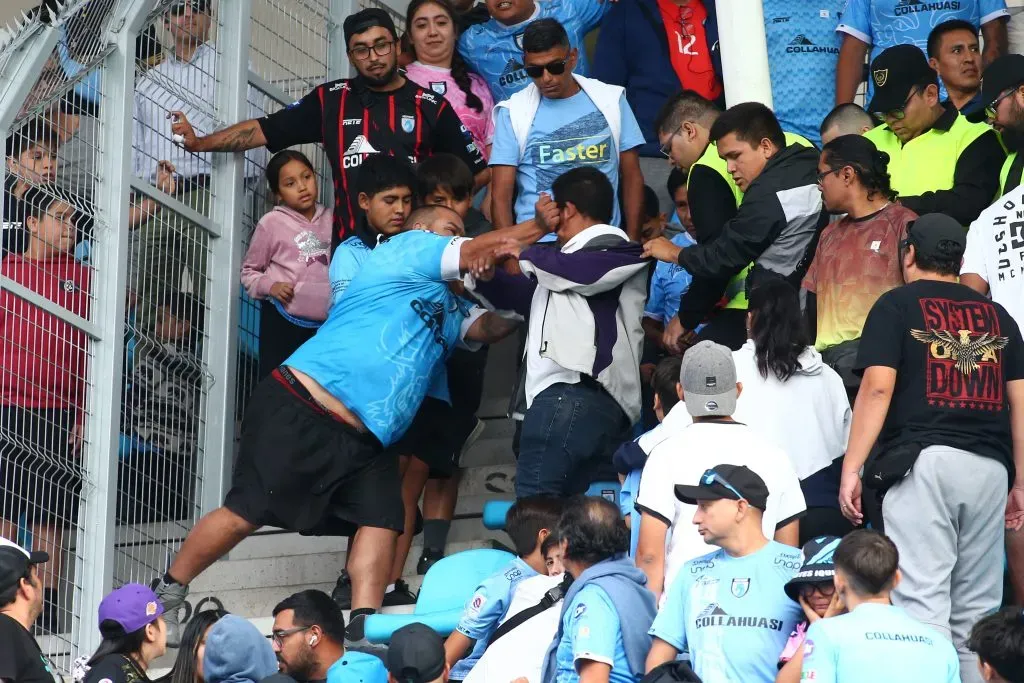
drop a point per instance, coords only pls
(40, 470)
(302, 469)
(430, 439)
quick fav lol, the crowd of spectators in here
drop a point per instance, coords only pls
(824, 336)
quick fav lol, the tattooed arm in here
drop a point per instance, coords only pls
(237, 138)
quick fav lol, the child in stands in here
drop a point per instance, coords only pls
(529, 522)
(998, 640)
(286, 264)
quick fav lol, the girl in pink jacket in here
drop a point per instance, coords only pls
(286, 265)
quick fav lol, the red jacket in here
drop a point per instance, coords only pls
(43, 360)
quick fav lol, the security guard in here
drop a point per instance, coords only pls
(1002, 93)
(939, 161)
(683, 126)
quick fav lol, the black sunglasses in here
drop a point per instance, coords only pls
(555, 68)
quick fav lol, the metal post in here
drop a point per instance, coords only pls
(744, 50)
(30, 53)
(225, 258)
(338, 64)
(111, 199)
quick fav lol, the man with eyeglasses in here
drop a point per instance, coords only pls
(939, 162)
(377, 112)
(559, 122)
(728, 608)
(308, 638)
(995, 255)
(698, 430)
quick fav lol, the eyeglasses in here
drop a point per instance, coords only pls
(555, 68)
(380, 48)
(826, 589)
(666, 149)
(279, 636)
(990, 110)
(821, 176)
(900, 112)
(710, 477)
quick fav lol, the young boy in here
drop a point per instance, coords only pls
(445, 180)
(630, 457)
(655, 221)
(998, 640)
(678, 190)
(31, 160)
(529, 522)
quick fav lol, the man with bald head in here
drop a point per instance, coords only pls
(314, 454)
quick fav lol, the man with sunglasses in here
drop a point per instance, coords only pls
(939, 162)
(941, 409)
(377, 112)
(728, 608)
(563, 121)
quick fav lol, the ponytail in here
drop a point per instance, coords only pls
(460, 74)
(869, 163)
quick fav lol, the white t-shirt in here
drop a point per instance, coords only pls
(520, 652)
(683, 458)
(995, 251)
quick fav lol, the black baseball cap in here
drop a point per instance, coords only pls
(416, 654)
(367, 19)
(894, 73)
(937, 236)
(1004, 73)
(196, 5)
(818, 565)
(734, 482)
(15, 561)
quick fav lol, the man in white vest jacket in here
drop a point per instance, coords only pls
(560, 122)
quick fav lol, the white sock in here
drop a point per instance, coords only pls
(390, 588)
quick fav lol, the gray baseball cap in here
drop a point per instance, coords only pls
(708, 376)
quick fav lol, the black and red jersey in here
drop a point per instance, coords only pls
(352, 121)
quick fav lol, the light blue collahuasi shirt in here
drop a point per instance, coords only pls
(876, 644)
(732, 614)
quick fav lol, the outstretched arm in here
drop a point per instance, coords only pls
(237, 138)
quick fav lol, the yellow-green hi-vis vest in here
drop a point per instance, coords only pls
(928, 162)
(736, 290)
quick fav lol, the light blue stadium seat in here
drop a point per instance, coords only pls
(495, 511)
(446, 588)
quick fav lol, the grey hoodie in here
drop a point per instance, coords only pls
(236, 652)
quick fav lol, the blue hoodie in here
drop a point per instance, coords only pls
(236, 652)
(632, 52)
(626, 587)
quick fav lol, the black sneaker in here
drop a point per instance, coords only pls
(402, 595)
(342, 593)
(427, 560)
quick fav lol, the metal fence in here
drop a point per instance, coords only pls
(127, 347)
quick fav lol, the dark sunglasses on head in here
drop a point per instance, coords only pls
(555, 68)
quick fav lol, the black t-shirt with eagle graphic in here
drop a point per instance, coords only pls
(351, 121)
(953, 351)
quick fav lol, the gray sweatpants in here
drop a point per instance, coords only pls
(946, 518)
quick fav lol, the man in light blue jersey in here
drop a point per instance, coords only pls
(563, 121)
(803, 49)
(729, 608)
(312, 455)
(494, 49)
(602, 634)
(881, 24)
(875, 642)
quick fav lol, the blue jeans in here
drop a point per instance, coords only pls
(569, 434)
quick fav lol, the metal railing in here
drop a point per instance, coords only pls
(127, 347)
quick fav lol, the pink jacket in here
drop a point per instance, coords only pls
(286, 247)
